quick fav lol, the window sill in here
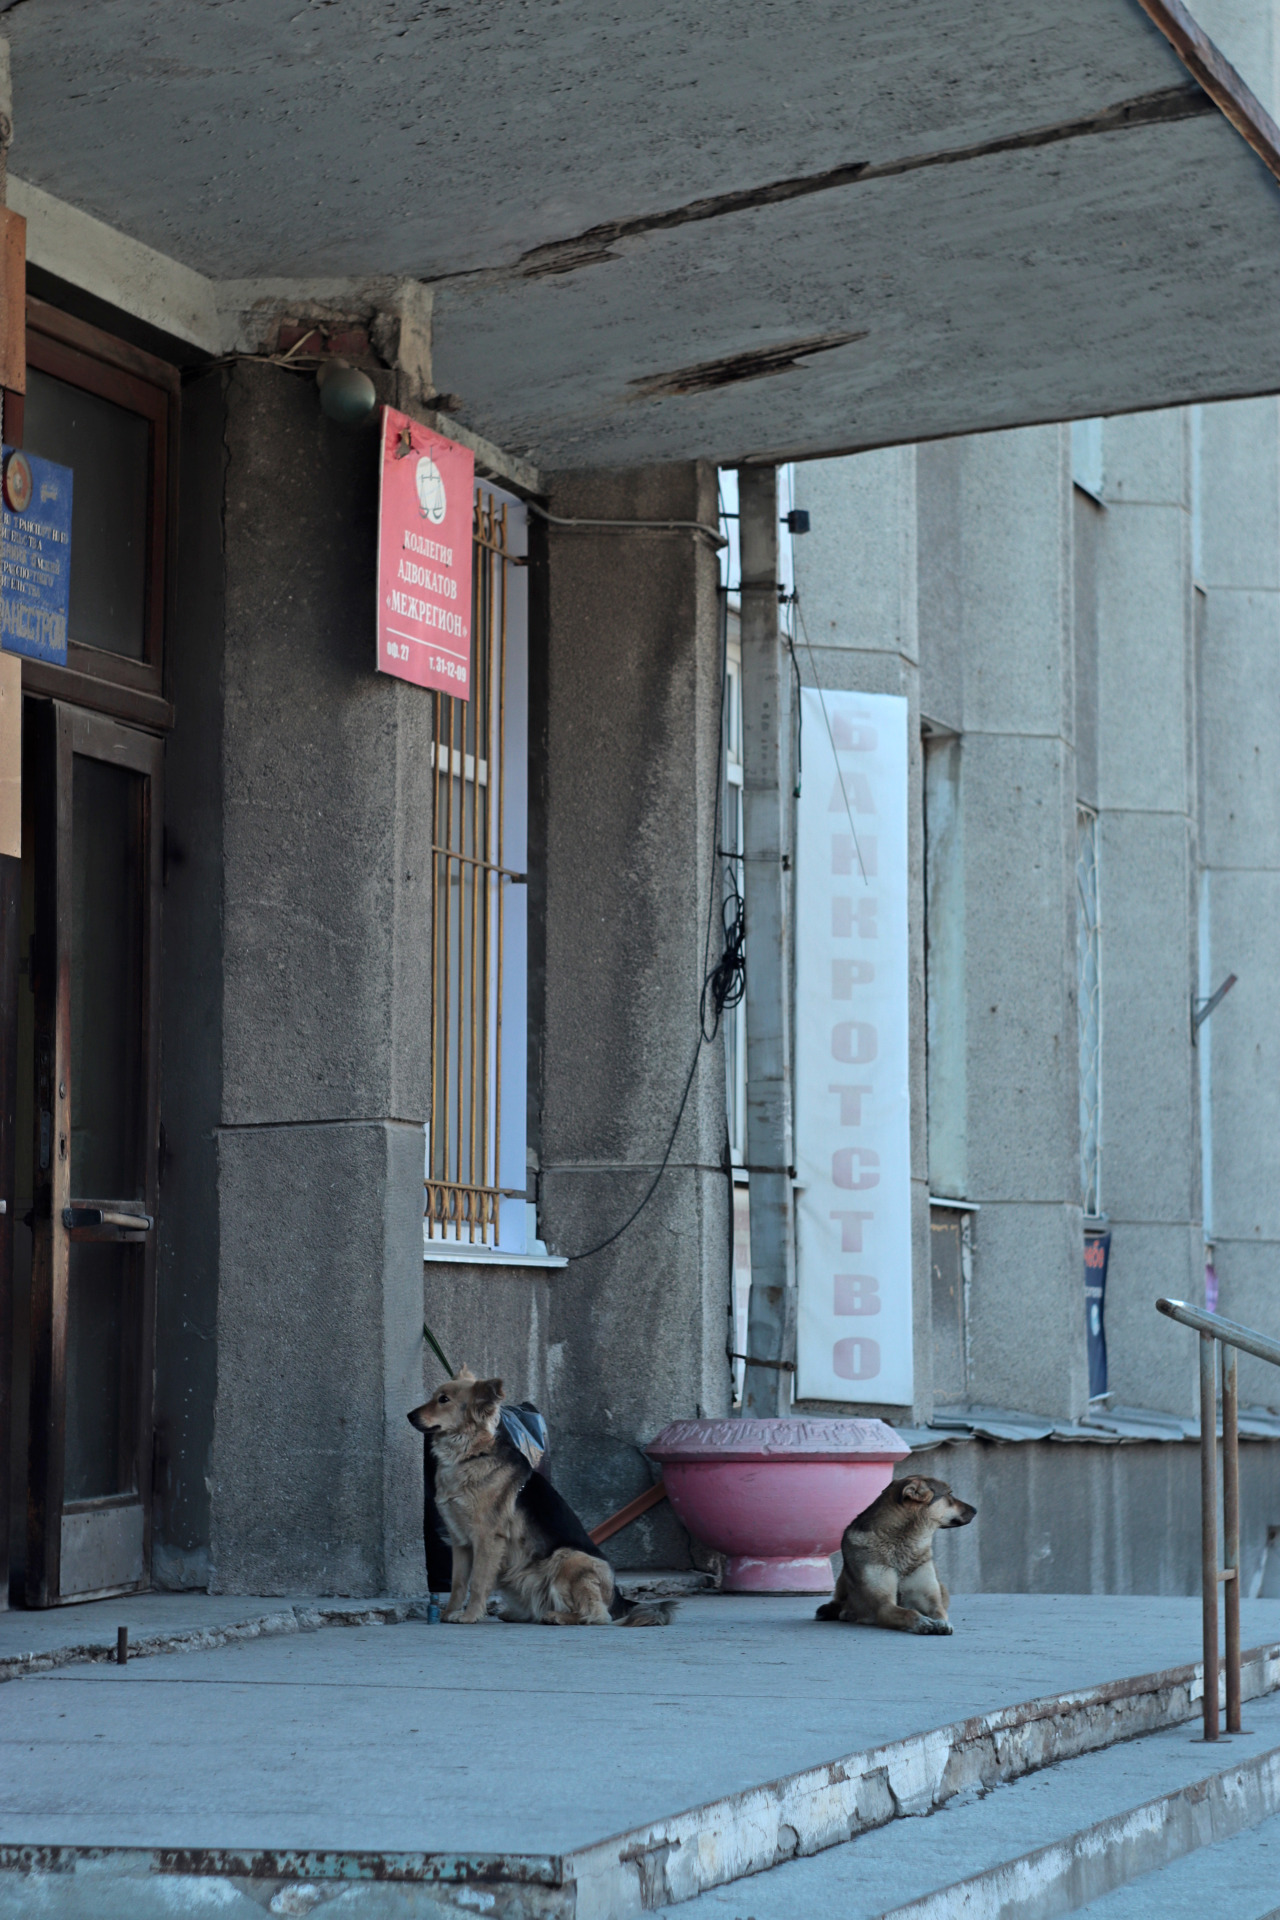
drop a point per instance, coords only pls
(437, 1251)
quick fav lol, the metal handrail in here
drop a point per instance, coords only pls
(1229, 1334)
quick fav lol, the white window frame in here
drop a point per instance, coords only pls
(515, 1240)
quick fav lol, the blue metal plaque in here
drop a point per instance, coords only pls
(35, 565)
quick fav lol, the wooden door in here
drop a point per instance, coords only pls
(94, 806)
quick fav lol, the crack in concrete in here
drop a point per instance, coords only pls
(595, 245)
(754, 364)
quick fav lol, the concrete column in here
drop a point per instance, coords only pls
(771, 1313)
(637, 1333)
(998, 587)
(315, 1481)
(191, 1011)
(1149, 1149)
(857, 580)
(1239, 703)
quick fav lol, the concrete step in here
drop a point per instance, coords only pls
(1043, 1845)
(1239, 1877)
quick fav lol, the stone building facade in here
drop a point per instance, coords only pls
(237, 834)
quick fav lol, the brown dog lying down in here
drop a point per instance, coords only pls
(509, 1527)
(888, 1578)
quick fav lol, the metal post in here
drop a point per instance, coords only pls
(771, 1313)
(1231, 1534)
(1209, 1531)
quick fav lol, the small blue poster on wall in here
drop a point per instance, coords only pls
(35, 557)
(1097, 1253)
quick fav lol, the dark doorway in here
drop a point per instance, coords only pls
(87, 1162)
(82, 1041)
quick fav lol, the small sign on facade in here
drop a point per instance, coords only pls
(424, 556)
(35, 557)
(852, 1100)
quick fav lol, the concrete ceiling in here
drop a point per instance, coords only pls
(656, 231)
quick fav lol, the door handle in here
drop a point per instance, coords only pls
(91, 1216)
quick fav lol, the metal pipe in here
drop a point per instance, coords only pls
(771, 1312)
(436, 1063)
(1209, 1532)
(1231, 1535)
(475, 1037)
(499, 854)
(1229, 1331)
(445, 1023)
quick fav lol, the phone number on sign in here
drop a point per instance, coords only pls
(448, 669)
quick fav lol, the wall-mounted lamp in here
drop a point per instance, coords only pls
(346, 395)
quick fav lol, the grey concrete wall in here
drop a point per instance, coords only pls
(191, 1011)
(997, 591)
(1149, 1154)
(315, 1488)
(1077, 1518)
(857, 580)
(326, 824)
(636, 1335)
(1239, 702)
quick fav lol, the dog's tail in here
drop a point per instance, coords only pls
(641, 1613)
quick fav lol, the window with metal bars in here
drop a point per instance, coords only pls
(475, 1148)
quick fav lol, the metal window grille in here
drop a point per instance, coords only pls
(470, 883)
(1088, 963)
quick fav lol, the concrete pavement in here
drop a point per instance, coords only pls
(705, 1745)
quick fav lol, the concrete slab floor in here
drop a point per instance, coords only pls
(517, 1739)
(165, 1622)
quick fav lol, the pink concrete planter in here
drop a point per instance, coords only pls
(774, 1495)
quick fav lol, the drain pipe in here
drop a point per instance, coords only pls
(771, 1314)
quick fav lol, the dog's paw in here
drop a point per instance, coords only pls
(927, 1624)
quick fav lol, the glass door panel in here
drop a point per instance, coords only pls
(106, 967)
(109, 448)
(94, 1135)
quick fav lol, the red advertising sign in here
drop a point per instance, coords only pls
(424, 556)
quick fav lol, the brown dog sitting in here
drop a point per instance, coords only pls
(888, 1578)
(509, 1527)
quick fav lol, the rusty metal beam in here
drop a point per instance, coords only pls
(1218, 77)
(632, 1511)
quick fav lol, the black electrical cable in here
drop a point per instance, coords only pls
(796, 703)
(723, 983)
(726, 983)
(653, 1185)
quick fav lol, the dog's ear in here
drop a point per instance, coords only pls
(916, 1492)
(488, 1394)
(465, 1373)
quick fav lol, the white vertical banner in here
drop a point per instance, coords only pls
(852, 1087)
